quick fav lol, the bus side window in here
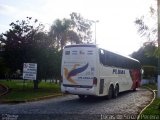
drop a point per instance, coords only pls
(107, 58)
(102, 56)
(117, 61)
(113, 60)
(127, 65)
(123, 62)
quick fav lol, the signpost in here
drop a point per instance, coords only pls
(30, 73)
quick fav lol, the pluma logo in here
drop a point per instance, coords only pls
(73, 72)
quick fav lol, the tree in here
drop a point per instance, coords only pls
(82, 27)
(74, 30)
(26, 42)
(147, 25)
(3, 68)
(19, 41)
(147, 59)
(145, 55)
(143, 28)
(59, 32)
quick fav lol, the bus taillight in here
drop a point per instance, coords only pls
(94, 81)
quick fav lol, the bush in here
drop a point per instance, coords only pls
(149, 72)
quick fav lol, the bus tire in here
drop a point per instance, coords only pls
(116, 91)
(134, 89)
(110, 92)
(81, 97)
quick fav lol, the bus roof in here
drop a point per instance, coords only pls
(127, 57)
(81, 45)
(94, 46)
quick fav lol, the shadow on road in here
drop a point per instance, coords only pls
(95, 99)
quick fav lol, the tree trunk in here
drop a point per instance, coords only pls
(35, 84)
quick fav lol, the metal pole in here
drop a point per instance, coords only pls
(95, 28)
(158, 13)
(95, 32)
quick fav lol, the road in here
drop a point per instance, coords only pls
(127, 105)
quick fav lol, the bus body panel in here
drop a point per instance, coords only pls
(78, 70)
(81, 64)
(123, 80)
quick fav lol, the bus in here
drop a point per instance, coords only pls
(88, 70)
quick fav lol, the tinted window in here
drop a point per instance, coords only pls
(67, 52)
(108, 58)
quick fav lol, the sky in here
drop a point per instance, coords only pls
(115, 31)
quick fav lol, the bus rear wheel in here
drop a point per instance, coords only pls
(134, 89)
(116, 92)
(81, 97)
(110, 92)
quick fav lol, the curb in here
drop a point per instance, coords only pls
(23, 101)
(32, 100)
(154, 96)
(6, 91)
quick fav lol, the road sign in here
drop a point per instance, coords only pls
(30, 71)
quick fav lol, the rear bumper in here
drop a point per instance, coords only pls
(78, 90)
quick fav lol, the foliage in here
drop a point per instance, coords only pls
(26, 42)
(19, 41)
(82, 27)
(147, 58)
(145, 55)
(3, 69)
(74, 30)
(61, 33)
(149, 72)
(147, 25)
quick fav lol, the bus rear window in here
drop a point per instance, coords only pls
(80, 52)
(67, 52)
(90, 52)
(74, 52)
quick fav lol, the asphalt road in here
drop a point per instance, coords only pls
(126, 106)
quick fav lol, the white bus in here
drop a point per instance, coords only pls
(91, 71)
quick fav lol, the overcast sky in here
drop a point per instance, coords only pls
(115, 31)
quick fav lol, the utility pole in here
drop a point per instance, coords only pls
(158, 14)
(95, 28)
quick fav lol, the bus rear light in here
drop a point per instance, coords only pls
(94, 81)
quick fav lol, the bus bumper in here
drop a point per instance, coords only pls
(78, 91)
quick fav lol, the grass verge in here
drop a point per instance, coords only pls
(20, 91)
(152, 112)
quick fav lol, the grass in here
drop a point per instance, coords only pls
(152, 111)
(152, 86)
(20, 91)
